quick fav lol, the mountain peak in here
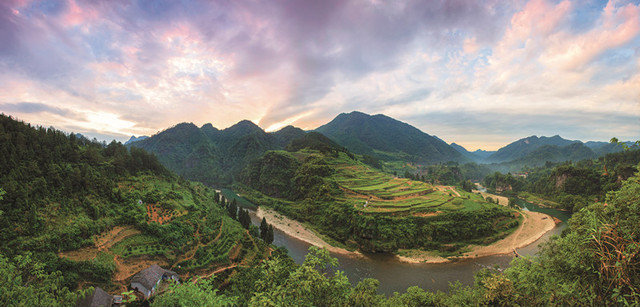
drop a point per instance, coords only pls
(244, 124)
(208, 126)
(135, 139)
(526, 146)
(387, 138)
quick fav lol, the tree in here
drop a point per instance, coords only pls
(269, 236)
(467, 185)
(2, 192)
(24, 282)
(244, 218)
(233, 209)
(314, 283)
(200, 293)
(264, 227)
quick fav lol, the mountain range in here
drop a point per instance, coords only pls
(215, 156)
(534, 151)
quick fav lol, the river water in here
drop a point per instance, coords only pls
(396, 276)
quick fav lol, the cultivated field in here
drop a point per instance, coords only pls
(372, 191)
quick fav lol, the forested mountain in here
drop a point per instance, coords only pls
(321, 183)
(214, 156)
(546, 154)
(603, 148)
(76, 212)
(569, 185)
(523, 147)
(388, 139)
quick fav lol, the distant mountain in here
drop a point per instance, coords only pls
(553, 153)
(214, 156)
(477, 156)
(603, 148)
(388, 139)
(523, 147)
(135, 139)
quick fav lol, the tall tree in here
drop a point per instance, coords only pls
(264, 227)
(269, 236)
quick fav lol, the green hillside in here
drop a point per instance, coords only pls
(364, 208)
(523, 147)
(387, 139)
(100, 213)
(210, 155)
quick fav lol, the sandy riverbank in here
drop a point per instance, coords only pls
(534, 226)
(297, 230)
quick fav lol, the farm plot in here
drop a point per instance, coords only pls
(371, 191)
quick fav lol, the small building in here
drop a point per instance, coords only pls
(97, 298)
(148, 280)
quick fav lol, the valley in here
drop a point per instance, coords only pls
(378, 211)
(99, 214)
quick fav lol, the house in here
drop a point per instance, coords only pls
(97, 298)
(148, 280)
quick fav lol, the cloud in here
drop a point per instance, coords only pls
(33, 107)
(152, 64)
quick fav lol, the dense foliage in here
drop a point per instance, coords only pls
(76, 206)
(569, 185)
(596, 262)
(47, 174)
(302, 186)
(214, 156)
(388, 139)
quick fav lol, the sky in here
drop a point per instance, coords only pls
(478, 73)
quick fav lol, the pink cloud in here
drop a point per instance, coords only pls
(76, 15)
(616, 27)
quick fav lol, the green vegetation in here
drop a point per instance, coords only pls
(213, 156)
(594, 263)
(364, 208)
(387, 139)
(89, 209)
(77, 210)
(568, 185)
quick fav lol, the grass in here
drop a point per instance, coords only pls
(384, 193)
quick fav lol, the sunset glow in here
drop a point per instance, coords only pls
(481, 74)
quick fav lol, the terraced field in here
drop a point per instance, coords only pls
(372, 191)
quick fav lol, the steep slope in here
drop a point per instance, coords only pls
(324, 185)
(287, 134)
(523, 147)
(214, 156)
(387, 138)
(186, 150)
(100, 213)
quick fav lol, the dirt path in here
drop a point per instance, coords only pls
(444, 188)
(102, 242)
(198, 277)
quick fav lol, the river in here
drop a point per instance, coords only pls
(396, 276)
